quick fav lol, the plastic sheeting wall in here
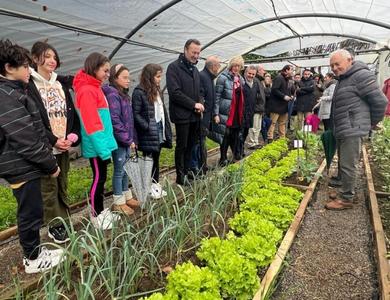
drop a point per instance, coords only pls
(204, 20)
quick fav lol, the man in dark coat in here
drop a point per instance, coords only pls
(185, 107)
(278, 106)
(305, 98)
(358, 105)
(210, 115)
(259, 108)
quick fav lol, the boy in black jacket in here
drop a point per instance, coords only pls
(25, 154)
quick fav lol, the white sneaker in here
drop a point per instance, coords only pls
(46, 260)
(155, 191)
(104, 220)
(163, 193)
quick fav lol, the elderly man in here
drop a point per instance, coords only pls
(358, 105)
(185, 107)
(210, 114)
(259, 106)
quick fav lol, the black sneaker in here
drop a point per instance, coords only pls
(58, 234)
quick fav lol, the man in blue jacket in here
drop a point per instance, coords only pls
(358, 105)
(185, 107)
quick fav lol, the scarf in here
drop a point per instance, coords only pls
(233, 104)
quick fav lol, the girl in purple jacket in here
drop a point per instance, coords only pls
(123, 123)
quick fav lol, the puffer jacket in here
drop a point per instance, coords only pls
(145, 123)
(223, 90)
(25, 152)
(358, 103)
(121, 114)
(305, 95)
(96, 128)
(325, 103)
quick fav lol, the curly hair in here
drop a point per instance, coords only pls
(38, 52)
(147, 81)
(14, 55)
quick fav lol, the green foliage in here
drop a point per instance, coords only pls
(8, 208)
(381, 149)
(192, 282)
(307, 161)
(249, 222)
(237, 274)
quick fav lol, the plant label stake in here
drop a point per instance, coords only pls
(307, 128)
(298, 144)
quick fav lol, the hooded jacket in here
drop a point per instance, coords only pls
(96, 128)
(325, 103)
(59, 86)
(121, 114)
(25, 153)
(358, 103)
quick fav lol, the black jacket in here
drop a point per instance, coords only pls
(25, 153)
(279, 89)
(250, 97)
(183, 84)
(72, 119)
(305, 95)
(145, 123)
(260, 96)
(207, 91)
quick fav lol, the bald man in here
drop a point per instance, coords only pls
(358, 105)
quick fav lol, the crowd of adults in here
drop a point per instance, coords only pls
(39, 122)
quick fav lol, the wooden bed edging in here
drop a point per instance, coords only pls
(383, 268)
(275, 266)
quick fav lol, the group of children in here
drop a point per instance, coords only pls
(39, 122)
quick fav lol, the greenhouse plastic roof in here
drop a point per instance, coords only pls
(221, 25)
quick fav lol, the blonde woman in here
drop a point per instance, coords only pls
(230, 105)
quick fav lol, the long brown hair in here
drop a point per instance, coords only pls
(115, 71)
(93, 62)
(147, 81)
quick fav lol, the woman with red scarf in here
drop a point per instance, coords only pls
(230, 107)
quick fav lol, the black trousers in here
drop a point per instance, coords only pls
(186, 137)
(30, 216)
(232, 139)
(156, 162)
(327, 124)
(96, 192)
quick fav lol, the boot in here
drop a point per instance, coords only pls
(121, 206)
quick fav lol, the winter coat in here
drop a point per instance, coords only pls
(25, 152)
(279, 90)
(386, 91)
(325, 103)
(250, 95)
(72, 119)
(183, 84)
(96, 127)
(145, 123)
(305, 95)
(121, 114)
(318, 91)
(207, 91)
(358, 103)
(260, 96)
(224, 90)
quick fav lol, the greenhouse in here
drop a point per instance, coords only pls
(176, 149)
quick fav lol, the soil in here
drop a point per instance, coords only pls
(332, 255)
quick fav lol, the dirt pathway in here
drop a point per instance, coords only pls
(332, 256)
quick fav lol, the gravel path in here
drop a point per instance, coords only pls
(332, 255)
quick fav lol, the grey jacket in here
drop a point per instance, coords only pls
(358, 103)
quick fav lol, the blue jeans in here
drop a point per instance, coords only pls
(120, 181)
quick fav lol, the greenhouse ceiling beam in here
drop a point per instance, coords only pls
(296, 16)
(310, 35)
(310, 56)
(142, 24)
(10, 13)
